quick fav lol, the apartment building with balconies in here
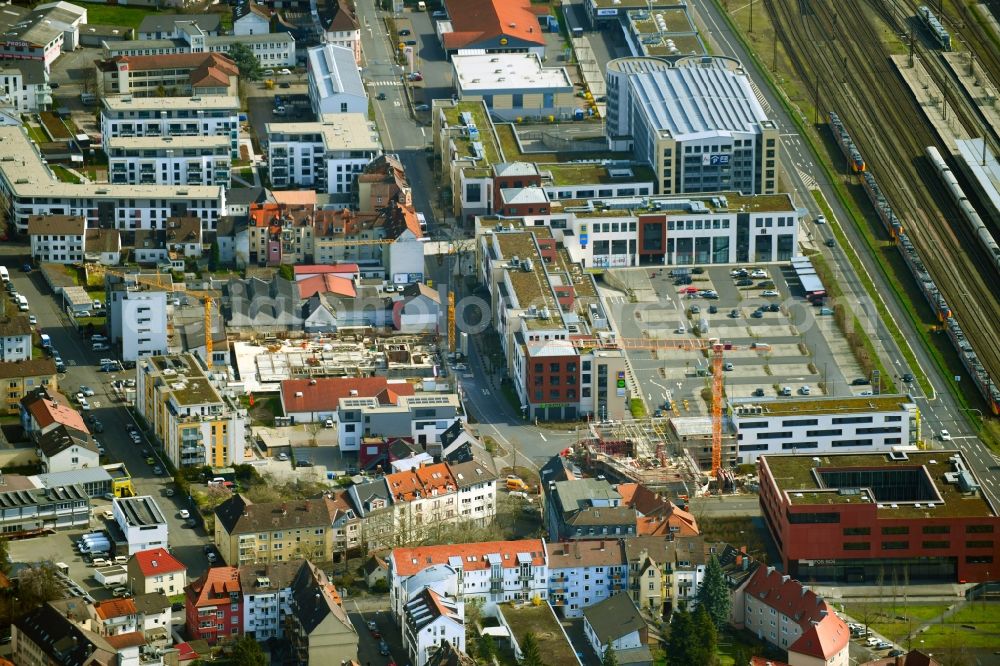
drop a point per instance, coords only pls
(15, 342)
(193, 421)
(493, 571)
(327, 155)
(214, 606)
(170, 160)
(201, 115)
(27, 182)
(582, 573)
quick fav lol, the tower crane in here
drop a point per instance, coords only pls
(155, 280)
(716, 351)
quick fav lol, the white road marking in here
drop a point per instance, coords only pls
(544, 439)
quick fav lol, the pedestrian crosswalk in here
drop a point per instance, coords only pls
(760, 97)
(617, 299)
(386, 83)
(807, 180)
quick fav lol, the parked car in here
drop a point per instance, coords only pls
(184, 513)
(410, 42)
(268, 72)
(157, 470)
(284, 72)
(421, 107)
(758, 393)
(33, 320)
(769, 293)
(860, 381)
(744, 282)
(86, 390)
(404, 32)
(121, 593)
(282, 457)
(383, 648)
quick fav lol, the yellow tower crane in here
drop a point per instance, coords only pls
(155, 280)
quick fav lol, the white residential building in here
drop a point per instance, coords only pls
(137, 319)
(584, 572)
(494, 571)
(156, 570)
(249, 18)
(15, 338)
(327, 156)
(141, 521)
(477, 491)
(815, 425)
(430, 619)
(25, 85)
(170, 160)
(615, 624)
(267, 597)
(787, 614)
(272, 50)
(32, 189)
(422, 417)
(335, 84)
(203, 115)
(57, 239)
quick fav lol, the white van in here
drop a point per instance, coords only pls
(22, 303)
(4, 274)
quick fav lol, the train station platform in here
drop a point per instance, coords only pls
(940, 114)
(977, 85)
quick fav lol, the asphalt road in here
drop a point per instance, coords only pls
(82, 368)
(939, 410)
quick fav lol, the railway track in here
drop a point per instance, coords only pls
(841, 47)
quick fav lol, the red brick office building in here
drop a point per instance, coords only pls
(854, 517)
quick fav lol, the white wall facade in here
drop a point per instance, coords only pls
(478, 502)
(73, 458)
(251, 23)
(421, 645)
(15, 347)
(138, 319)
(759, 433)
(25, 97)
(170, 122)
(170, 584)
(209, 166)
(264, 612)
(310, 165)
(145, 536)
(586, 585)
(57, 248)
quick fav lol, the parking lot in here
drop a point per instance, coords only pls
(781, 343)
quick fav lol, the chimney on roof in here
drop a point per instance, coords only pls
(308, 505)
(284, 509)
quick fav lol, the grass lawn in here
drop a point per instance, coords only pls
(36, 134)
(732, 644)
(64, 174)
(98, 322)
(129, 17)
(883, 618)
(977, 625)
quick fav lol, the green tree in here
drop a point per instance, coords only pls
(245, 61)
(247, 652)
(214, 257)
(38, 584)
(4, 557)
(706, 637)
(610, 658)
(487, 648)
(713, 595)
(681, 644)
(286, 272)
(530, 655)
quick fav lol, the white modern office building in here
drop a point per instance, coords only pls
(819, 425)
(32, 189)
(326, 156)
(210, 115)
(169, 160)
(696, 122)
(335, 84)
(271, 49)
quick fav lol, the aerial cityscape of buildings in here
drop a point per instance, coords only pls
(498, 331)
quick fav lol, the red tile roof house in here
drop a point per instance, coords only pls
(316, 400)
(214, 605)
(496, 26)
(156, 570)
(787, 614)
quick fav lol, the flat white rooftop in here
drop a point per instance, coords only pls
(511, 72)
(339, 131)
(23, 173)
(168, 104)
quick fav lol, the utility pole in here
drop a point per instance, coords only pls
(816, 102)
(751, 17)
